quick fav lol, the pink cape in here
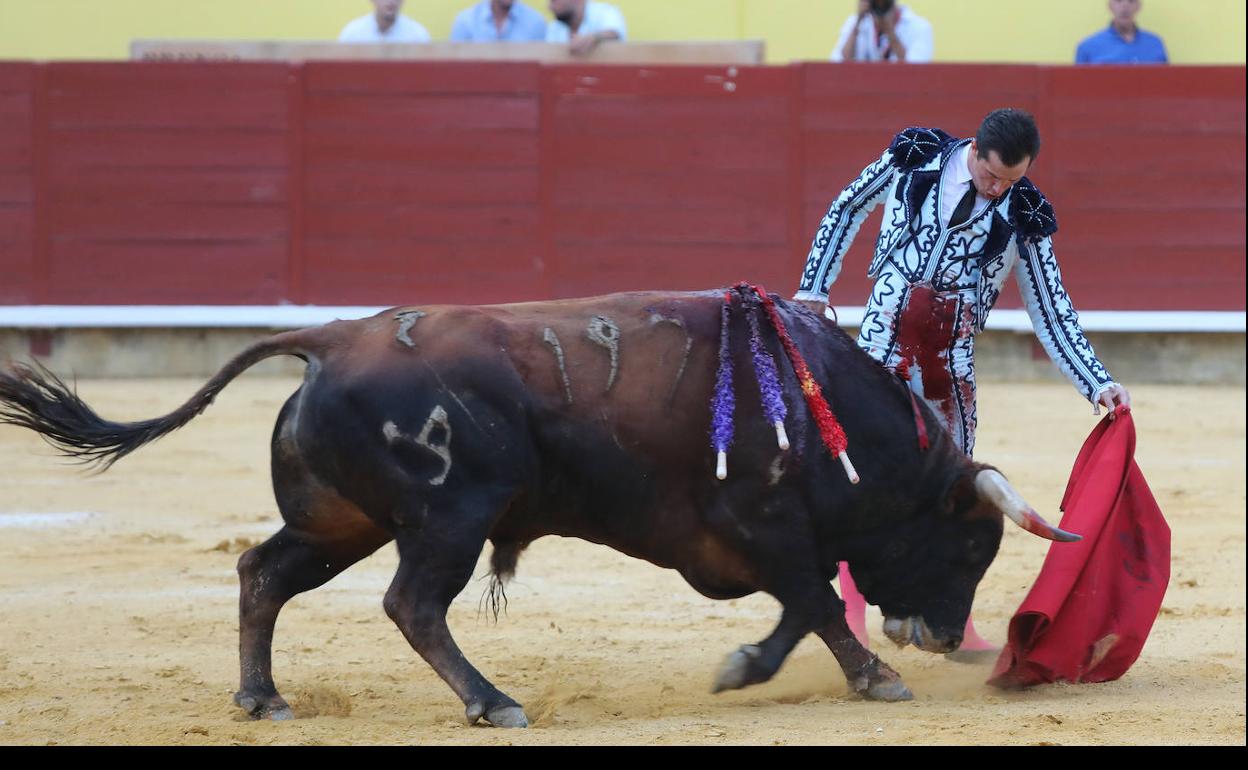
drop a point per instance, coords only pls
(1090, 611)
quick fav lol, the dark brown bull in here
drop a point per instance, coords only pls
(443, 427)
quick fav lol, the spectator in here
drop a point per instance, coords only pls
(583, 25)
(884, 31)
(384, 25)
(498, 20)
(1122, 42)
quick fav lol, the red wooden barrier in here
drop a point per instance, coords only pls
(673, 177)
(385, 182)
(17, 183)
(420, 181)
(163, 185)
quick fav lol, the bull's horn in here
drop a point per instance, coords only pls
(992, 485)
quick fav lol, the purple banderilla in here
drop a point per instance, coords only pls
(723, 402)
(768, 379)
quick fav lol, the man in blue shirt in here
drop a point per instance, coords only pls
(499, 20)
(1122, 42)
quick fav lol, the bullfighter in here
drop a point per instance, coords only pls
(960, 215)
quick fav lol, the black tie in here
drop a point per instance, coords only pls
(965, 206)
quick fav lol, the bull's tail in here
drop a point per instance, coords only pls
(35, 398)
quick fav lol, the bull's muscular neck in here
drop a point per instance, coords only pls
(899, 481)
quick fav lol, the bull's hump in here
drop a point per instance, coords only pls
(643, 303)
(622, 302)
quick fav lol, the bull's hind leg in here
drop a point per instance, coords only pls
(270, 574)
(436, 559)
(868, 676)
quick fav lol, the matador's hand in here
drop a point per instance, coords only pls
(814, 305)
(1111, 398)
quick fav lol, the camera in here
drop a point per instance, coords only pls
(881, 7)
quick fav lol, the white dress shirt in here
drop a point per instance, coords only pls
(364, 30)
(953, 185)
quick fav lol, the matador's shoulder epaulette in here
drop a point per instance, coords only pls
(916, 146)
(1030, 212)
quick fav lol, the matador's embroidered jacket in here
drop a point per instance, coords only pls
(960, 269)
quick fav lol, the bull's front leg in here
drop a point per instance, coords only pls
(808, 603)
(756, 663)
(867, 675)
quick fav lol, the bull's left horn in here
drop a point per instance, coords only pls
(992, 485)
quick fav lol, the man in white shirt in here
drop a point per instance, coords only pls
(884, 31)
(583, 24)
(384, 25)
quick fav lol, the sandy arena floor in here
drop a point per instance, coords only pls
(118, 598)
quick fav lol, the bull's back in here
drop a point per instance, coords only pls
(632, 365)
(631, 371)
(592, 404)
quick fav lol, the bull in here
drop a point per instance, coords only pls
(443, 427)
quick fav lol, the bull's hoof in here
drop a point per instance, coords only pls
(735, 673)
(879, 682)
(506, 715)
(264, 707)
(889, 692)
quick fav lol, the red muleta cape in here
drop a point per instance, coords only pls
(1087, 616)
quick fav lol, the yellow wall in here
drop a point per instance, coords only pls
(1195, 31)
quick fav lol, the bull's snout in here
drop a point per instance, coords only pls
(913, 630)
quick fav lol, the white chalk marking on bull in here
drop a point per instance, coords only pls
(721, 465)
(438, 418)
(406, 319)
(849, 468)
(655, 319)
(603, 331)
(552, 339)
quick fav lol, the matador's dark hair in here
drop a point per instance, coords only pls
(1012, 133)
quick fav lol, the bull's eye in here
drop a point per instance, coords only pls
(974, 549)
(895, 551)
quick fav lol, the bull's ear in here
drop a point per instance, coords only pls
(961, 495)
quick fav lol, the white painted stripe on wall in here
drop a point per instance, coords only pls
(177, 316)
(297, 316)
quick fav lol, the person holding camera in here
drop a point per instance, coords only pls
(882, 30)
